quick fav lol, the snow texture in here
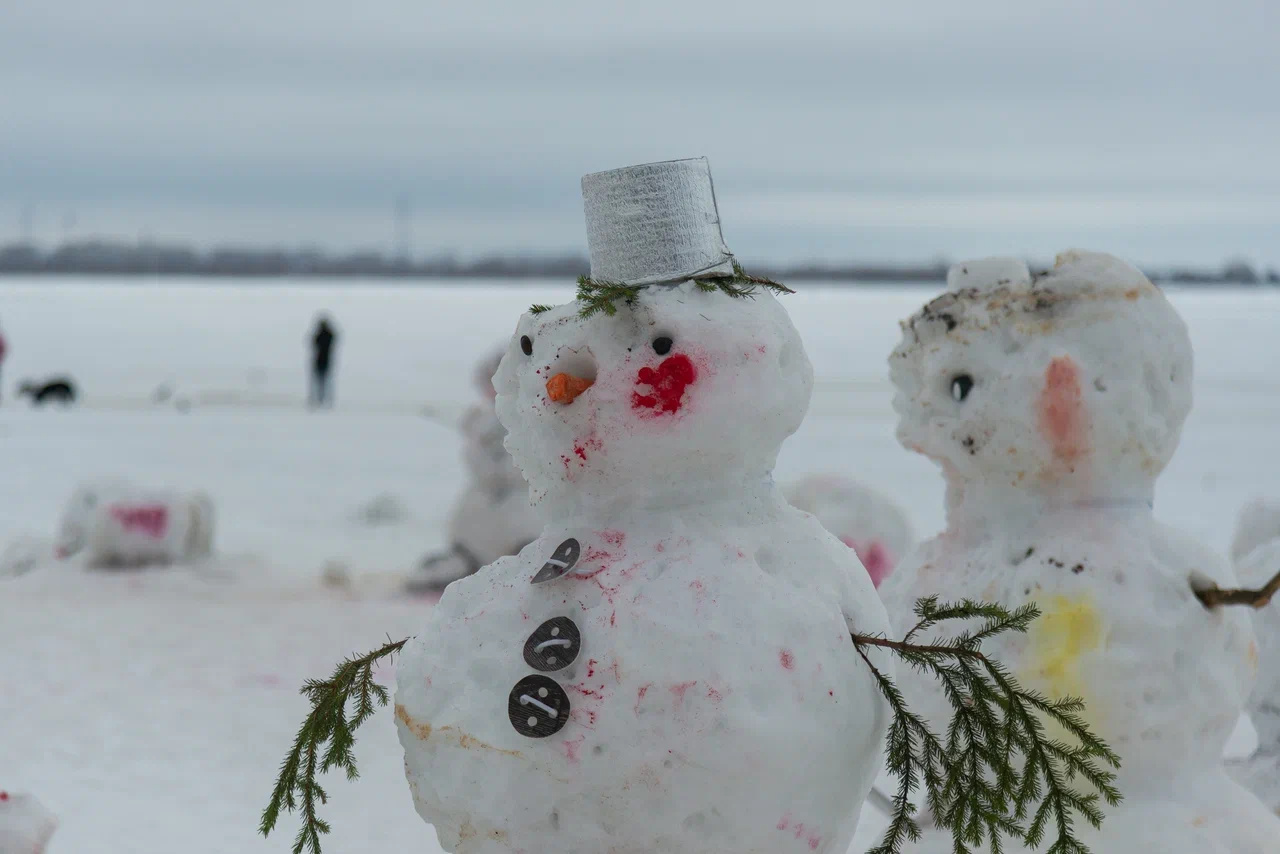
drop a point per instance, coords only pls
(717, 701)
(117, 524)
(862, 517)
(25, 824)
(1256, 552)
(1078, 385)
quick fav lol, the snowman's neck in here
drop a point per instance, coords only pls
(719, 502)
(996, 505)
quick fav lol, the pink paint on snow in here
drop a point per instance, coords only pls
(874, 556)
(786, 659)
(1063, 420)
(571, 748)
(680, 689)
(150, 520)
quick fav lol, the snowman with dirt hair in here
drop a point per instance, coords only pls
(1052, 403)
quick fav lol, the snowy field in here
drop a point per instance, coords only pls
(149, 711)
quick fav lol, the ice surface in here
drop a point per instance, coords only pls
(717, 702)
(1077, 388)
(861, 516)
(149, 711)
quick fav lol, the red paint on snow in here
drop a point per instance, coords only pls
(1062, 418)
(874, 557)
(814, 842)
(786, 659)
(591, 667)
(784, 822)
(580, 451)
(151, 520)
(614, 538)
(4, 796)
(713, 695)
(680, 689)
(667, 385)
(640, 692)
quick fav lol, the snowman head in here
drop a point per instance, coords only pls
(675, 392)
(1073, 384)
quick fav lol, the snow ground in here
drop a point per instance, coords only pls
(149, 711)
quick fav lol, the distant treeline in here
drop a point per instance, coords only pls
(107, 258)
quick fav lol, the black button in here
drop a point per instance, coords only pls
(553, 646)
(538, 707)
(566, 555)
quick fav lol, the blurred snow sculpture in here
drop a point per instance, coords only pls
(863, 518)
(25, 824)
(117, 524)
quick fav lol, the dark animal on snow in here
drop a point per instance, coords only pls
(57, 390)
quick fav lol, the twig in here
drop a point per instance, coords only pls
(1215, 596)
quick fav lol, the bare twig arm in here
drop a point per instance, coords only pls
(1215, 597)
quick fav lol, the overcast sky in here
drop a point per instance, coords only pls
(843, 129)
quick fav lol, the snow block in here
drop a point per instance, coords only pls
(117, 524)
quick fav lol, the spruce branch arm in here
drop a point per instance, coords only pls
(917, 649)
(1215, 596)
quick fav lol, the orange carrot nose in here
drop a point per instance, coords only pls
(565, 388)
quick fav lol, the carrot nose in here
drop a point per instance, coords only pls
(565, 388)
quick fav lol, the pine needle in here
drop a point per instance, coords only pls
(972, 781)
(339, 705)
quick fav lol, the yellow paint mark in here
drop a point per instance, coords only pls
(1068, 629)
(1253, 655)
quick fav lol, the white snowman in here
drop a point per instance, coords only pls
(862, 517)
(668, 667)
(26, 825)
(1052, 403)
(492, 517)
(1255, 550)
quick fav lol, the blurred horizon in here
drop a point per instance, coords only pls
(839, 131)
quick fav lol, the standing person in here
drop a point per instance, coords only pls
(322, 343)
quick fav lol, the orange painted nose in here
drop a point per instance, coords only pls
(565, 388)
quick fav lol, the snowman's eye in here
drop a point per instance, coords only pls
(961, 385)
(526, 344)
(662, 346)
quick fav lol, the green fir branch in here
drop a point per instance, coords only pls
(539, 308)
(598, 296)
(339, 705)
(971, 776)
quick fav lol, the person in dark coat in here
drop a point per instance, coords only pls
(322, 343)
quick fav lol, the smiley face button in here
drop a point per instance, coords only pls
(538, 707)
(553, 645)
(563, 560)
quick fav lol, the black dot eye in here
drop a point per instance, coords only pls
(526, 344)
(961, 385)
(662, 346)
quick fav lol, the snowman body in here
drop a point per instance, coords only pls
(1051, 406)
(863, 518)
(680, 678)
(1255, 551)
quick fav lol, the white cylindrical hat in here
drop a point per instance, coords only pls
(654, 223)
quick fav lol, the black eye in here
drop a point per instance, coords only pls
(662, 346)
(961, 385)
(526, 344)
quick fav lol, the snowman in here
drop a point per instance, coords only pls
(863, 518)
(1255, 550)
(25, 824)
(668, 667)
(492, 518)
(1051, 404)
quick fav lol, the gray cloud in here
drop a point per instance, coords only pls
(883, 130)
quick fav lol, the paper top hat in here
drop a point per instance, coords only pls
(654, 223)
